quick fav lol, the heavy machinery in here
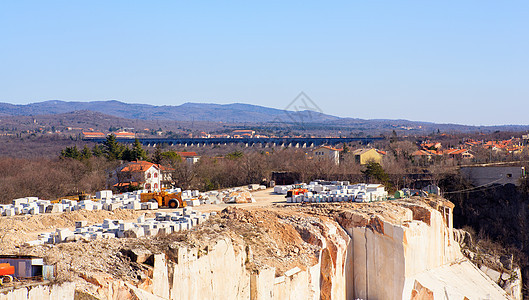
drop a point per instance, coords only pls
(83, 196)
(79, 197)
(296, 191)
(6, 273)
(164, 199)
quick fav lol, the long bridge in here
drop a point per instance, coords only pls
(248, 142)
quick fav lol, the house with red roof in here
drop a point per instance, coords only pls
(191, 158)
(458, 153)
(327, 152)
(366, 155)
(142, 174)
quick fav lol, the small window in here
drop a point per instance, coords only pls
(509, 175)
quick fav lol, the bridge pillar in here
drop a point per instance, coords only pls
(297, 145)
(304, 145)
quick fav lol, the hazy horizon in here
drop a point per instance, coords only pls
(188, 102)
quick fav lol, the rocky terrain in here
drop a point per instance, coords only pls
(498, 216)
(401, 249)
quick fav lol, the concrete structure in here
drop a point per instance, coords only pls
(326, 152)
(272, 141)
(364, 156)
(486, 175)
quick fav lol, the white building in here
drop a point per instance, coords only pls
(326, 152)
(143, 174)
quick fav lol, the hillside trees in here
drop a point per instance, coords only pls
(50, 178)
(110, 149)
(375, 172)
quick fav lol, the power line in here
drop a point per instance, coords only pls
(474, 188)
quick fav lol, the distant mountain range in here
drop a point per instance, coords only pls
(232, 113)
(236, 113)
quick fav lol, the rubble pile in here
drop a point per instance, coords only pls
(163, 223)
(239, 197)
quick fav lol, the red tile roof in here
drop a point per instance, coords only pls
(93, 134)
(124, 134)
(138, 166)
(330, 148)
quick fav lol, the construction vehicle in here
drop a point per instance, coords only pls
(164, 199)
(83, 196)
(79, 197)
(6, 273)
(297, 190)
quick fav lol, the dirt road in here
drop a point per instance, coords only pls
(263, 198)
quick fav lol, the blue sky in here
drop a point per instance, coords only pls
(461, 62)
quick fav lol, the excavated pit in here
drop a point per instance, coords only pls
(382, 250)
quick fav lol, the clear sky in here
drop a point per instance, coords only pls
(461, 62)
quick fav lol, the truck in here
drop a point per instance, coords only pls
(6, 273)
(297, 190)
(164, 199)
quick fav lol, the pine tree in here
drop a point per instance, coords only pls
(86, 153)
(374, 171)
(137, 152)
(112, 149)
(71, 152)
(157, 155)
(96, 151)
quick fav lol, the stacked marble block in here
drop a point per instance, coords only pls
(35, 206)
(108, 201)
(163, 223)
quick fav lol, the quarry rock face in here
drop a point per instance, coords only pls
(408, 253)
(58, 291)
(401, 249)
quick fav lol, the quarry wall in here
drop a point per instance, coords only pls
(42, 292)
(362, 255)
